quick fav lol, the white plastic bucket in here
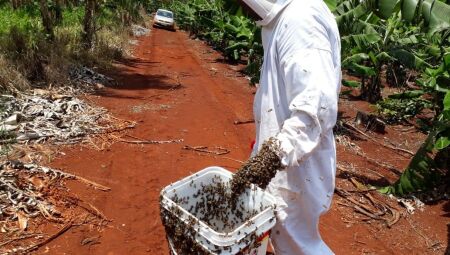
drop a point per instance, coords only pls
(235, 241)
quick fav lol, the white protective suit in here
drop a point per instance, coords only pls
(297, 104)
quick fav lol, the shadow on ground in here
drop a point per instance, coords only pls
(128, 79)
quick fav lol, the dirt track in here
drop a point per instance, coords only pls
(177, 88)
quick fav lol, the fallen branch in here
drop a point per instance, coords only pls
(218, 150)
(360, 210)
(361, 187)
(371, 199)
(358, 206)
(33, 167)
(351, 127)
(90, 240)
(48, 240)
(408, 129)
(90, 208)
(145, 141)
(91, 183)
(97, 212)
(395, 217)
(383, 165)
(236, 160)
(365, 210)
(380, 164)
(365, 207)
(150, 141)
(18, 239)
(238, 122)
(353, 173)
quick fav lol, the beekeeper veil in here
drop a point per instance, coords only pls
(266, 9)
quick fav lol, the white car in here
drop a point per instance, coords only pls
(164, 18)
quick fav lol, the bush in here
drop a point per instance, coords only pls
(28, 56)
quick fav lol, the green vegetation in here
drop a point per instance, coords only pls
(40, 40)
(430, 164)
(402, 38)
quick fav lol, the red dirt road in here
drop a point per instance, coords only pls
(175, 89)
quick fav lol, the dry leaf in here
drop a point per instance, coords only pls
(22, 220)
(37, 182)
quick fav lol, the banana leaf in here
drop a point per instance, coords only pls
(331, 4)
(446, 102)
(426, 10)
(362, 70)
(433, 50)
(407, 95)
(351, 84)
(412, 39)
(442, 143)
(409, 9)
(383, 57)
(447, 61)
(237, 46)
(231, 29)
(408, 59)
(343, 7)
(353, 14)
(245, 34)
(386, 8)
(356, 58)
(439, 17)
(362, 40)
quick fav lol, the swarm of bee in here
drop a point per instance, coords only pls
(214, 205)
(220, 205)
(259, 169)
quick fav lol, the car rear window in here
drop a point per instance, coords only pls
(164, 14)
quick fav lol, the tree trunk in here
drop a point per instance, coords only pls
(14, 4)
(58, 11)
(374, 92)
(371, 90)
(46, 19)
(89, 24)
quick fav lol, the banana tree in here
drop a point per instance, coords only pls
(380, 44)
(425, 171)
(378, 29)
(436, 82)
(240, 32)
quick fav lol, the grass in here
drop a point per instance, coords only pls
(27, 57)
(24, 19)
(10, 78)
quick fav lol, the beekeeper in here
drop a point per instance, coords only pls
(296, 104)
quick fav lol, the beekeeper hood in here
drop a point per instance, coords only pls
(266, 9)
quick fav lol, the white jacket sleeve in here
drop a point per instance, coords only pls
(310, 79)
